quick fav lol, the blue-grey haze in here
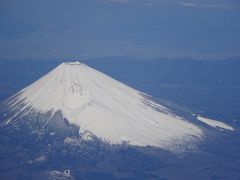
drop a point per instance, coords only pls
(138, 28)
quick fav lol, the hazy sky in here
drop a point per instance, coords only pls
(140, 28)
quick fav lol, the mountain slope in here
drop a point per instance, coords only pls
(102, 108)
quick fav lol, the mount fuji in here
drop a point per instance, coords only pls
(100, 108)
(78, 123)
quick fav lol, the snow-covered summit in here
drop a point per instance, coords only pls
(72, 63)
(104, 108)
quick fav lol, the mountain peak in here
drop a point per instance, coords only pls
(104, 108)
(72, 63)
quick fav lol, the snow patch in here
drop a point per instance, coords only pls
(72, 141)
(37, 160)
(40, 159)
(215, 123)
(65, 175)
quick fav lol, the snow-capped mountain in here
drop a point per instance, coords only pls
(101, 108)
(78, 123)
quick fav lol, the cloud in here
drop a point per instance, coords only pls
(210, 6)
(187, 4)
(120, 1)
(140, 2)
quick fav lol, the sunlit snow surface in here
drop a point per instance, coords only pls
(105, 108)
(215, 123)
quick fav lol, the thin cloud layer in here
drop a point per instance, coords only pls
(212, 6)
(139, 28)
